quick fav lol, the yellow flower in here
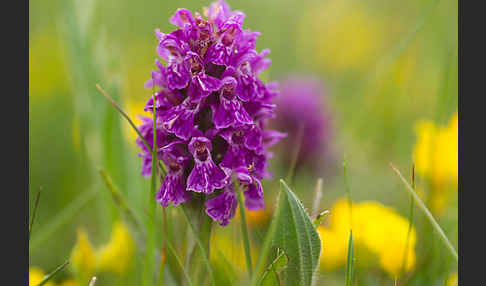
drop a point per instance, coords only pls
(82, 256)
(116, 256)
(452, 280)
(36, 275)
(376, 229)
(436, 151)
(334, 249)
(436, 158)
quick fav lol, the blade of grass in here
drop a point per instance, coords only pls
(36, 204)
(350, 261)
(163, 255)
(348, 193)
(53, 273)
(103, 92)
(428, 214)
(129, 216)
(244, 231)
(62, 218)
(93, 281)
(200, 245)
(149, 257)
(410, 223)
(123, 208)
(171, 248)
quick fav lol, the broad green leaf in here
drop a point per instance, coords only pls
(297, 236)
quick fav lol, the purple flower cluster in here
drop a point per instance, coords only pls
(302, 105)
(211, 109)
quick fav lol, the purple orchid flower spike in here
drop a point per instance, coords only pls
(211, 110)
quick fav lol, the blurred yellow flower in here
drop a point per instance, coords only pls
(436, 151)
(376, 228)
(36, 275)
(83, 258)
(116, 256)
(452, 280)
(436, 158)
(334, 249)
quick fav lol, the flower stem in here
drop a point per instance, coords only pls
(204, 234)
(244, 231)
(149, 256)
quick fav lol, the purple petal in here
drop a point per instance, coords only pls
(254, 196)
(223, 207)
(173, 190)
(182, 18)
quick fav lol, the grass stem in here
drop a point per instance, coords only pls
(204, 254)
(428, 214)
(53, 273)
(244, 231)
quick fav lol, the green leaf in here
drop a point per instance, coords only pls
(293, 231)
(272, 274)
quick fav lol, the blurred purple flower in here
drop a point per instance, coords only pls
(211, 111)
(302, 113)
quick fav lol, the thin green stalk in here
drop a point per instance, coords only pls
(93, 281)
(36, 204)
(410, 223)
(122, 206)
(265, 250)
(244, 231)
(61, 219)
(53, 273)
(161, 166)
(200, 245)
(170, 247)
(350, 261)
(149, 257)
(164, 243)
(348, 193)
(428, 214)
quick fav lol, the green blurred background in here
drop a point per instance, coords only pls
(384, 64)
